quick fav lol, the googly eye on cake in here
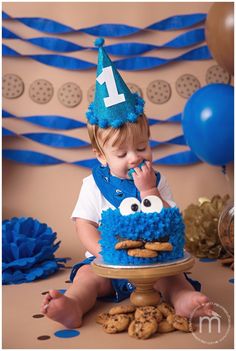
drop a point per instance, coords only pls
(140, 233)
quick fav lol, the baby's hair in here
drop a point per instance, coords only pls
(129, 131)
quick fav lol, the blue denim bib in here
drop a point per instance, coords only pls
(114, 189)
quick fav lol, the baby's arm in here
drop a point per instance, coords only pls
(88, 235)
(145, 181)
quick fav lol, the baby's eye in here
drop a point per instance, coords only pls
(151, 204)
(128, 206)
(122, 155)
(141, 149)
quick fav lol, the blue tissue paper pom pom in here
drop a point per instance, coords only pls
(28, 250)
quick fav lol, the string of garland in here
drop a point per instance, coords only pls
(109, 30)
(39, 159)
(64, 141)
(135, 63)
(66, 123)
(192, 37)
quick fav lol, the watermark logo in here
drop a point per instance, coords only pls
(210, 329)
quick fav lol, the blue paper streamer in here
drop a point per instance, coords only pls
(66, 123)
(50, 139)
(48, 121)
(6, 132)
(179, 140)
(173, 119)
(130, 64)
(109, 30)
(30, 157)
(64, 141)
(183, 158)
(39, 159)
(193, 37)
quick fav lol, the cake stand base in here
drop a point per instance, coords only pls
(143, 277)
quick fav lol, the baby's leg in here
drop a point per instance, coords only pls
(181, 294)
(68, 309)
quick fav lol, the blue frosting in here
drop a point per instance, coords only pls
(140, 226)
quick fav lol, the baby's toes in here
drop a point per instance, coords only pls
(45, 303)
(200, 299)
(207, 309)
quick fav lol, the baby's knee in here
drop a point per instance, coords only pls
(83, 272)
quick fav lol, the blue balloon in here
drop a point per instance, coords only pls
(208, 124)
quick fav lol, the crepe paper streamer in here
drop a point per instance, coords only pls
(135, 63)
(148, 62)
(179, 140)
(174, 119)
(64, 141)
(192, 37)
(39, 159)
(48, 121)
(28, 250)
(67, 333)
(59, 61)
(109, 30)
(183, 158)
(50, 139)
(66, 123)
(231, 280)
(33, 158)
(206, 259)
(7, 132)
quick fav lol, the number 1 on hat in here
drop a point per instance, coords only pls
(107, 77)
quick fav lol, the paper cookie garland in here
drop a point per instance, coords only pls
(186, 85)
(70, 94)
(217, 74)
(159, 91)
(12, 86)
(41, 91)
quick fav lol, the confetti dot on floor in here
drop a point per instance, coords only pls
(231, 280)
(43, 337)
(206, 259)
(38, 316)
(67, 333)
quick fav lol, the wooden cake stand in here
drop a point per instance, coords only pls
(143, 277)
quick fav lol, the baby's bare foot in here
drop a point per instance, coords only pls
(62, 309)
(187, 301)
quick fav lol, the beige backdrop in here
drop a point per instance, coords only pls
(49, 193)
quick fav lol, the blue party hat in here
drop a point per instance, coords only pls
(113, 104)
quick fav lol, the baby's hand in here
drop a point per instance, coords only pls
(144, 178)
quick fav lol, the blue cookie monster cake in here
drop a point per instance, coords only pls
(141, 233)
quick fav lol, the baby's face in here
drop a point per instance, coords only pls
(126, 156)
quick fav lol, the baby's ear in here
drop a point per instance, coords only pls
(100, 156)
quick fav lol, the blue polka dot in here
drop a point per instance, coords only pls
(67, 333)
(231, 280)
(62, 291)
(206, 259)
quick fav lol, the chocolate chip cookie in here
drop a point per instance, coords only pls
(128, 244)
(158, 246)
(147, 312)
(122, 309)
(144, 253)
(142, 329)
(116, 323)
